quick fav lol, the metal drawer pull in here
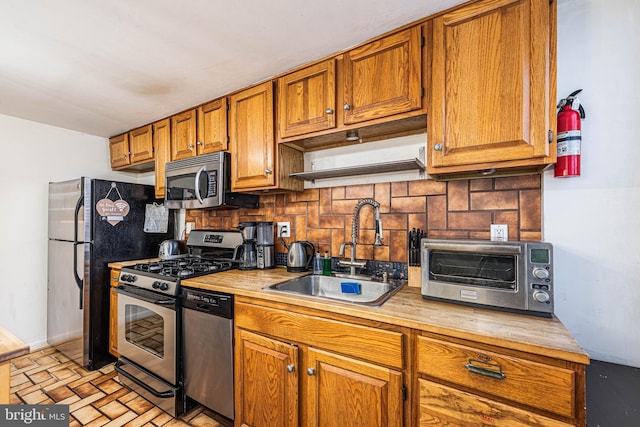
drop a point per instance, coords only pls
(486, 371)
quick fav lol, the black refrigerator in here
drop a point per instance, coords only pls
(93, 222)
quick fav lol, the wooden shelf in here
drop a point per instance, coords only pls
(395, 166)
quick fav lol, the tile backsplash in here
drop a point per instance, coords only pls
(454, 209)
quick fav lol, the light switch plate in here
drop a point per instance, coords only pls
(499, 232)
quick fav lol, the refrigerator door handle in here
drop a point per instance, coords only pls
(79, 281)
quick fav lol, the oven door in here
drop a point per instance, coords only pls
(147, 327)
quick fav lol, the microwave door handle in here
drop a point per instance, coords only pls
(197, 186)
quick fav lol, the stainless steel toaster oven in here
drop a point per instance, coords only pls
(511, 276)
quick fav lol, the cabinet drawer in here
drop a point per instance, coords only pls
(444, 406)
(377, 345)
(539, 385)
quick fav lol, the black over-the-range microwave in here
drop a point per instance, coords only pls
(203, 182)
(511, 276)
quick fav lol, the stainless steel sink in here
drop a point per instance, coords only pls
(356, 290)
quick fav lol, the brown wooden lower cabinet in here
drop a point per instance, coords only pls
(445, 406)
(285, 380)
(469, 384)
(113, 313)
(266, 384)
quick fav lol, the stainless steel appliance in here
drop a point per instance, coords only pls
(299, 256)
(512, 276)
(150, 319)
(266, 256)
(208, 349)
(172, 248)
(203, 182)
(92, 222)
(247, 252)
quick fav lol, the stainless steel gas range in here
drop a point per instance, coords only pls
(150, 320)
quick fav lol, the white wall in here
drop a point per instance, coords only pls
(32, 155)
(594, 220)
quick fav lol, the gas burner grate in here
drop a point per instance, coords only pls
(184, 267)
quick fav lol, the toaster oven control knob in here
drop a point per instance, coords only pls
(540, 273)
(541, 296)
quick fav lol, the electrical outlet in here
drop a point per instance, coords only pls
(284, 229)
(499, 232)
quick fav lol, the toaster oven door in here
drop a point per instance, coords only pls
(474, 278)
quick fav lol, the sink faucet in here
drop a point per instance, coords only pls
(352, 263)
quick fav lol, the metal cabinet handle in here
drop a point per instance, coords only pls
(290, 368)
(346, 106)
(199, 143)
(329, 111)
(311, 371)
(437, 147)
(268, 171)
(191, 146)
(493, 370)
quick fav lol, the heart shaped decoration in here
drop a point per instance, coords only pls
(114, 212)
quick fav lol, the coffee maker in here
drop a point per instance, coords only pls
(265, 245)
(246, 252)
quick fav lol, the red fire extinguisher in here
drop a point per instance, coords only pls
(569, 137)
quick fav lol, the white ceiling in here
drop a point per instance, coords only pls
(106, 66)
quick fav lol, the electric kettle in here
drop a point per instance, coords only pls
(300, 256)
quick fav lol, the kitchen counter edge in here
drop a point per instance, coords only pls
(532, 334)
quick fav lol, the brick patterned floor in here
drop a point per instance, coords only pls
(95, 398)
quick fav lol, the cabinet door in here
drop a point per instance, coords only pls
(440, 405)
(383, 78)
(183, 135)
(252, 140)
(119, 150)
(162, 144)
(306, 100)
(141, 144)
(266, 381)
(347, 392)
(490, 83)
(212, 127)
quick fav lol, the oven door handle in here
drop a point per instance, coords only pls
(165, 302)
(161, 394)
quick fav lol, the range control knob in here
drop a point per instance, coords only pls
(541, 296)
(128, 278)
(164, 286)
(540, 273)
(156, 285)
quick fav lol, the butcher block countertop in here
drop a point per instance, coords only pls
(537, 335)
(11, 346)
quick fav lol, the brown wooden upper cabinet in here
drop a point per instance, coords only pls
(256, 163)
(492, 88)
(369, 86)
(133, 149)
(162, 142)
(383, 78)
(183, 135)
(307, 100)
(212, 127)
